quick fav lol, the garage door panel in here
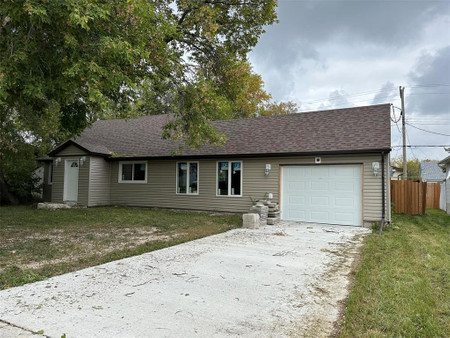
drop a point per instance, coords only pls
(298, 214)
(322, 194)
(320, 201)
(297, 186)
(320, 216)
(344, 172)
(297, 201)
(320, 185)
(321, 172)
(345, 186)
(346, 217)
(344, 202)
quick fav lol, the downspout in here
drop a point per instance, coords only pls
(383, 197)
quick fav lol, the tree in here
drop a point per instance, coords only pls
(412, 166)
(280, 108)
(66, 63)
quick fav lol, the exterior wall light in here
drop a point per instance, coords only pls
(267, 171)
(82, 160)
(58, 160)
(375, 167)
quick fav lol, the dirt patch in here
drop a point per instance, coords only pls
(329, 293)
(357, 259)
(74, 245)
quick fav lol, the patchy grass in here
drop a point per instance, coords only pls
(37, 244)
(402, 287)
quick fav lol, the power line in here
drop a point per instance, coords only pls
(431, 85)
(428, 131)
(430, 93)
(409, 141)
(348, 100)
(402, 97)
(350, 96)
(349, 104)
(395, 120)
(429, 123)
(378, 91)
(421, 146)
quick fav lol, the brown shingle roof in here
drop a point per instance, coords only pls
(340, 130)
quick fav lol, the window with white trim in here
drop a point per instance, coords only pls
(187, 178)
(229, 178)
(133, 172)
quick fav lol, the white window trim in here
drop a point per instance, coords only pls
(229, 178)
(132, 172)
(50, 172)
(187, 178)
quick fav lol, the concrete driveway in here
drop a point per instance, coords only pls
(284, 280)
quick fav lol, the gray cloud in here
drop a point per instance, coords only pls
(304, 24)
(427, 97)
(387, 93)
(333, 54)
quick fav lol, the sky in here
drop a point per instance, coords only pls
(336, 54)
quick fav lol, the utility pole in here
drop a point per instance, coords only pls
(402, 97)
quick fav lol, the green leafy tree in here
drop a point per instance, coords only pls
(412, 166)
(66, 63)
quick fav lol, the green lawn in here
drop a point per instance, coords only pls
(402, 287)
(37, 244)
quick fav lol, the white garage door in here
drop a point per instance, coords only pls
(322, 194)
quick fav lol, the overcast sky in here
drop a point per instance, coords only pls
(333, 54)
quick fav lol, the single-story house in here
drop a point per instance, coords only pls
(445, 185)
(396, 173)
(322, 166)
(430, 171)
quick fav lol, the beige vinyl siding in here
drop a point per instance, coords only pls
(83, 182)
(58, 182)
(99, 186)
(70, 151)
(160, 190)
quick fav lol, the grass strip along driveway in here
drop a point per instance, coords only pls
(402, 287)
(37, 244)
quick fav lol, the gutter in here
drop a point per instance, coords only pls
(254, 155)
(383, 197)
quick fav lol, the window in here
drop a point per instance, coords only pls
(133, 172)
(229, 178)
(187, 178)
(50, 173)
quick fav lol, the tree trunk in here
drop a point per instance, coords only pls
(6, 197)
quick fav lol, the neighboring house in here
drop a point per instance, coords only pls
(445, 186)
(323, 167)
(396, 173)
(431, 172)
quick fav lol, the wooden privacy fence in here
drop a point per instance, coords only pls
(433, 195)
(409, 197)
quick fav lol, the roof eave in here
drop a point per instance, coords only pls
(444, 162)
(69, 142)
(253, 155)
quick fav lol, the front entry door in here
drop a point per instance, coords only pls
(71, 180)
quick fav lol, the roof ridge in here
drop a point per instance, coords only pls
(253, 117)
(344, 129)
